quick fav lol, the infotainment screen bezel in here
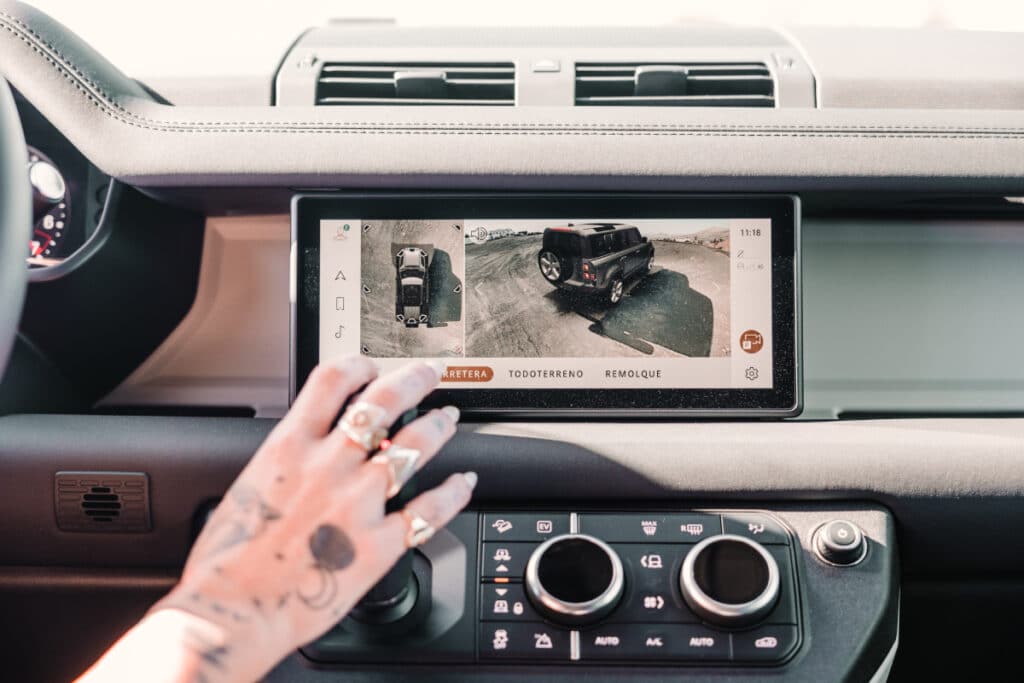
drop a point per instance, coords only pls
(782, 400)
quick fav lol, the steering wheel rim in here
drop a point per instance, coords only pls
(15, 220)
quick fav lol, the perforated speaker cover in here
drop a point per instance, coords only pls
(102, 501)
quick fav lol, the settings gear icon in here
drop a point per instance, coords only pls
(752, 373)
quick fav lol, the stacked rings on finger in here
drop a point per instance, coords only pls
(400, 463)
(365, 424)
(419, 530)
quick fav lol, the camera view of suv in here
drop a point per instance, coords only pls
(413, 304)
(594, 257)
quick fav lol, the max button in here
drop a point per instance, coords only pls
(468, 373)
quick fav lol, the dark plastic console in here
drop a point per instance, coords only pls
(703, 590)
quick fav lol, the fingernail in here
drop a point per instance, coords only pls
(471, 479)
(438, 366)
(452, 412)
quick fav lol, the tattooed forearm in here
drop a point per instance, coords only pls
(332, 551)
(248, 519)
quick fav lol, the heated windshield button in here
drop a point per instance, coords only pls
(653, 528)
(500, 640)
(760, 528)
(765, 644)
(506, 560)
(524, 526)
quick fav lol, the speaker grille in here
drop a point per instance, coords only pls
(102, 501)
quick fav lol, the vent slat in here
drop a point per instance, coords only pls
(374, 83)
(408, 101)
(662, 84)
(679, 101)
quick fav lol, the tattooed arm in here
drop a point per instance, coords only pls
(299, 538)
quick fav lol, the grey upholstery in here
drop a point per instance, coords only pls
(121, 129)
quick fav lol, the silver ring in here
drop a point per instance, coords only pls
(419, 530)
(401, 465)
(706, 606)
(577, 610)
(365, 424)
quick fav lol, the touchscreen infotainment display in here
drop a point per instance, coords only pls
(570, 303)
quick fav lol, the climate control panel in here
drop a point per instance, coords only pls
(681, 591)
(700, 587)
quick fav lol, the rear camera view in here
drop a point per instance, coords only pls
(411, 278)
(645, 288)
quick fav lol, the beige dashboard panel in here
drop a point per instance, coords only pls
(232, 347)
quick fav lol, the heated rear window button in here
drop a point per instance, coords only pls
(652, 528)
(502, 640)
(757, 527)
(505, 602)
(506, 560)
(764, 644)
(673, 642)
(524, 526)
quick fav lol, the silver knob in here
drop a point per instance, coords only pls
(730, 580)
(574, 579)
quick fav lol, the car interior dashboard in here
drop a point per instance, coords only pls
(732, 315)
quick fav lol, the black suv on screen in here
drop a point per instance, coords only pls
(413, 305)
(594, 257)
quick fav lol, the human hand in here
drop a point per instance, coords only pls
(302, 534)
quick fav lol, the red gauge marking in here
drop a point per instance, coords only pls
(37, 247)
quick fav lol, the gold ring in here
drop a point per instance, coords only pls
(419, 530)
(400, 463)
(365, 424)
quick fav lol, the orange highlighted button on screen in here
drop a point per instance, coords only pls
(468, 373)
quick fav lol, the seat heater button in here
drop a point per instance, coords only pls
(505, 602)
(524, 526)
(506, 560)
(764, 644)
(760, 528)
(500, 640)
(651, 528)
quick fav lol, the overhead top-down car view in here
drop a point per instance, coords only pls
(413, 286)
(511, 342)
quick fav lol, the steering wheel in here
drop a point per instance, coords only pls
(15, 219)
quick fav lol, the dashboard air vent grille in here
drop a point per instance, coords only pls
(418, 83)
(710, 84)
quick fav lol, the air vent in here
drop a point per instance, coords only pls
(102, 501)
(675, 85)
(419, 83)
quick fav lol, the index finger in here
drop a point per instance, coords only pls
(400, 390)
